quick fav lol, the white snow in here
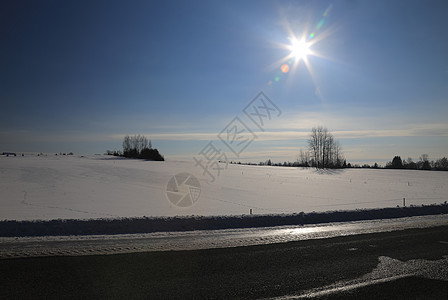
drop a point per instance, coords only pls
(71, 187)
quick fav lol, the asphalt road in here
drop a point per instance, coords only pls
(78, 245)
(406, 264)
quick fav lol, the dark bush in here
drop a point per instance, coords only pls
(151, 154)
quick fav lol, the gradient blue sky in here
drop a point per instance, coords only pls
(78, 75)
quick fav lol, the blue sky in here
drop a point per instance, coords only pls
(78, 75)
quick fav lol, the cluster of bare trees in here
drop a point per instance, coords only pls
(134, 145)
(323, 150)
(138, 146)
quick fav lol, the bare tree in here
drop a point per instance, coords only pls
(127, 144)
(325, 151)
(139, 142)
(304, 158)
(424, 162)
(314, 145)
(337, 158)
(134, 145)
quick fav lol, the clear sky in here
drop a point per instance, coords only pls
(79, 75)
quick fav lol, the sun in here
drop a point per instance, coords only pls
(299, 49)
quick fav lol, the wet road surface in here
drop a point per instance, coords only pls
(400, 264)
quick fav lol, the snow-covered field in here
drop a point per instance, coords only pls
(72, 187)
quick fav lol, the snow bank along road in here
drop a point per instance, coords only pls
(70, 187)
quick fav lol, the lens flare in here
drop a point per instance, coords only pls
(320, 24)
(285, 68)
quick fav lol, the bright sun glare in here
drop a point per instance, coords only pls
(299, 49)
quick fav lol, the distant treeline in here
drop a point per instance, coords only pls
(424, 163)
(288, 164)
(137, 146)
(397, 163)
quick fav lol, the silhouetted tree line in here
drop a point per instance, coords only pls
(138, 146)
(423, 164)
(397, 163)
(268, 163)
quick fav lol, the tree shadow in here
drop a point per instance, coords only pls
(110, 158)
(329, 171)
